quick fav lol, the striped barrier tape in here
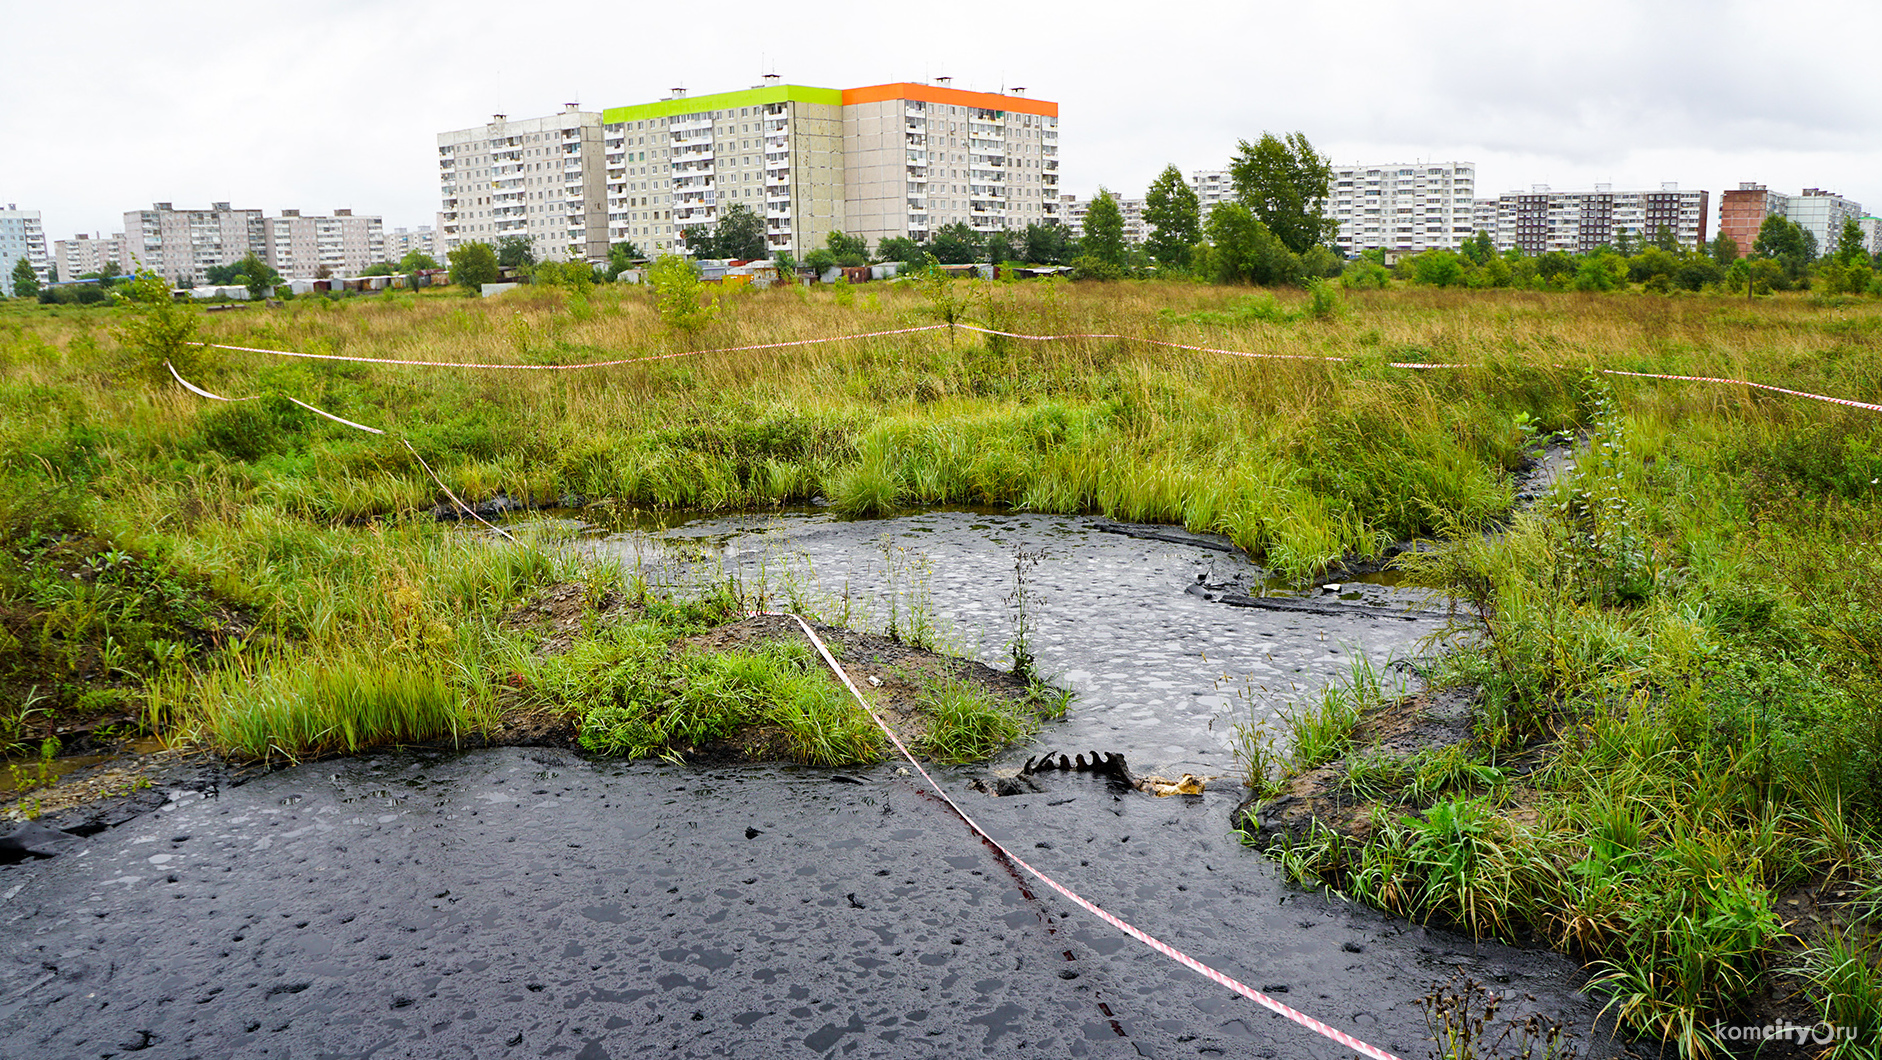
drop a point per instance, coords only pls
(1412, 365)
(1184, 959)
(571, 367)
(468, 510)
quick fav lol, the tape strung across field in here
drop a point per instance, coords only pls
(1411, 365)
(1331, 1033)
(1147, 939)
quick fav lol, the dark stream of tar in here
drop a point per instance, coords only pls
(528, 903)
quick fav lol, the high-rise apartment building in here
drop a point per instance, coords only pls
(1576, 222)
(674, 166)
(1742, 211)
(21, 236)
(881, 161)
(1211, 186)
(86, 253)
(1871, 233)
(402, 241)
(181, 245)
(922, 156)
(306, 246)
(1821, 213)
(536, 178)
(1401, 206)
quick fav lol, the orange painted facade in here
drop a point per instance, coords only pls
(955, 96)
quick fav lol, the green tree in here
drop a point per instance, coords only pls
(849, 251)
(621, 257)
(1724, 249)
(676, 294)
(1284, 184)
(515, 252)
(417, 261)
(1047, 244)
(1001, 247)
(159, 330)
(25, 280)
(1849, 249)
(1781, 240)
(1175, 219)
(473, 265)
(738, 233)
(899, 248)
(1478, 249)
(255, 274)
(379, 268)
(1436, 268)
(957, 244)
(1664, 239)
(1242, 250)
(1104, 230)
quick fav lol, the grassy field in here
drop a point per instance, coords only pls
(1688, 626)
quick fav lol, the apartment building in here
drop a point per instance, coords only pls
(537, 178)
(881, 161)
(1576, 222)
(402, 241)
(307, 246)
(1402, 207)
(1742, 211)
(1212, 186)
(675, 165)
(1871, 233)
(181, 245)
(21, 236)
(1822, 213)
(922, 156)
(89, 253)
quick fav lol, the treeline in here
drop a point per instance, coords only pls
(1783, 258)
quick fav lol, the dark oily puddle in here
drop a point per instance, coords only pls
(514, 902)
(1163, 670)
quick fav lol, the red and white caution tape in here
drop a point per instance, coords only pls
(572, 367)
(1249, 354)
(1151, 941)
(468, 510)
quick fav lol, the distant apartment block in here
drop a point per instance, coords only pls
(303, 247)
(1073, 210)
(1402, 207)
(21, 236)
(886, 160)
(1742, 212)
(1576, 222)
(536, 178)
(181, 245)
(87, 253)
(1211, 186)
(1821, 213)
(402, 241)
(1871, 233)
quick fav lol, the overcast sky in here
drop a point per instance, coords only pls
(107, 107)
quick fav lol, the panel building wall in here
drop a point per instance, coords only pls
(21, 236)
(536, 178)
(181, 245)
(1576, 222)
(306, 246)
(1402, 207)
(85, 253)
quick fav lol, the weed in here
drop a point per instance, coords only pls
(966, 723)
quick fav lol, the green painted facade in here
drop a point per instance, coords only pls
(750, 97)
